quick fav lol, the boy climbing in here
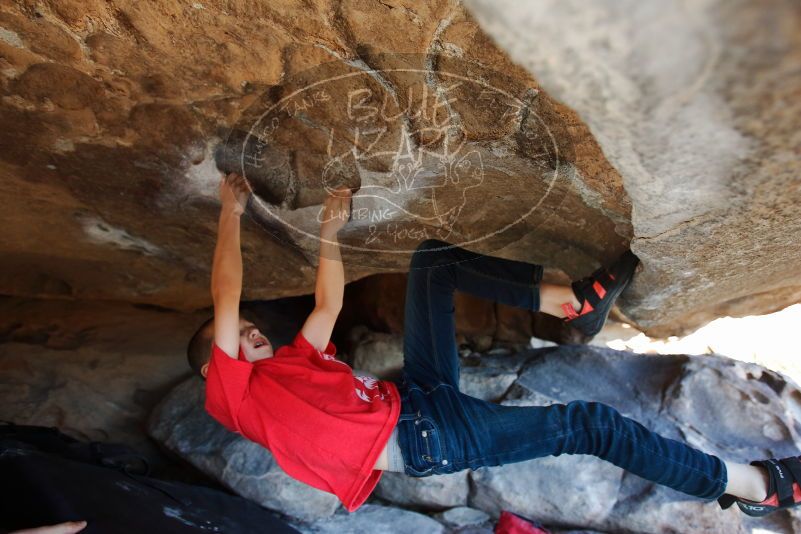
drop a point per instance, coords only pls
(337, 432)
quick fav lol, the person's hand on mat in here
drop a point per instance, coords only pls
(70, 527)
(336, 211)
(234, 193)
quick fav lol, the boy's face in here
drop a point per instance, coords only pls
(255, 345)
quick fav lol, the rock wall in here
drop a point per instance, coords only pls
(697, 106)
(682, 139)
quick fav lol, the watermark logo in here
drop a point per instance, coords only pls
(453, 151)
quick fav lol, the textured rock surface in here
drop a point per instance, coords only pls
(463, 516)
(539, 486)
(182, 425)
(697, 106)
(427, 493)
(373, 519)
(108, 172)
(89, 369)
(377, 353)
(488, 377)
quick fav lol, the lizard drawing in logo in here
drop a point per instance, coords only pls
(425, 184)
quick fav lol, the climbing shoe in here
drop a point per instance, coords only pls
(784, 477)
(597, 294)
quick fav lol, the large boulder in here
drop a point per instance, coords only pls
(123, 112)
(695, 106)
(109, 163)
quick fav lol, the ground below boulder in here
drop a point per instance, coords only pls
(735, 410)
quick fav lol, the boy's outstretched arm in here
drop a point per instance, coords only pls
(330, 283)
(226, 271)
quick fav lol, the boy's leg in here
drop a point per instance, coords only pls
(499, 435)
(480, 433)
(503, 434)
(437, 269)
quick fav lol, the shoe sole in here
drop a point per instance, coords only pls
(757, 510)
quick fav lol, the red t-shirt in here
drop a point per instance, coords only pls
(324, 426)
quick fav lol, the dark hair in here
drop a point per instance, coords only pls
(198, 351)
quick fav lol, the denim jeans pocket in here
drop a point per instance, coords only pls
(428, 439)
(424, 456)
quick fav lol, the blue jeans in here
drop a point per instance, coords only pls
(442, 430)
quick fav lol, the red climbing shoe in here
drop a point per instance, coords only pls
(598, 292)
(784, 477)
